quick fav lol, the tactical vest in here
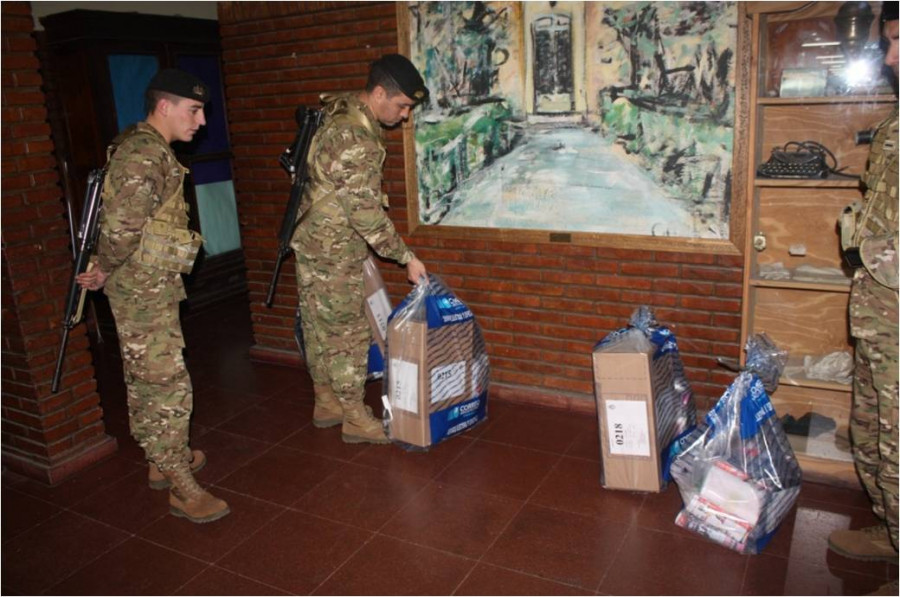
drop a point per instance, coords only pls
(166, 241)
(879, 214)
(343, 112)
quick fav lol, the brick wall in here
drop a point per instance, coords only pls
(542, 307)
(46, 436)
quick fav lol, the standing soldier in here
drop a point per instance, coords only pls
(872, 249)
(343, 208)
(143, 249)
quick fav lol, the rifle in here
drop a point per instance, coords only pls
(293, 160)
(82, 245)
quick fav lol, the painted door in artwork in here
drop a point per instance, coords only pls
(553, 82)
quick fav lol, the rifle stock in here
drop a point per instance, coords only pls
(293, 160)
(83, 244)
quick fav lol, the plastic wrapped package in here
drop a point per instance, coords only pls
(378, 309)
(644, 403)
(737, 474)
(436, 375)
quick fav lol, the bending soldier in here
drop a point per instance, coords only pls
(343, 208)
(143, 248)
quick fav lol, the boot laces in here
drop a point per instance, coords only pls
(183, 482)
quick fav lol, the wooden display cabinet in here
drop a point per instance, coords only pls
(795, 287)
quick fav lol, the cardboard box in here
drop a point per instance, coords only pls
(434, 390)
(624, 389)
(378, 305)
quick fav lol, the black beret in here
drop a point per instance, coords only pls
(405, 74)
(889, 11)
(177, 82)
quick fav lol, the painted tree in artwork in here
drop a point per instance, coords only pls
(466, 44)
(677, 54)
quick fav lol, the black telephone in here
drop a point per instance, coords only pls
(800, 159)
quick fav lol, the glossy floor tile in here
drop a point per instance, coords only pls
(513, 507)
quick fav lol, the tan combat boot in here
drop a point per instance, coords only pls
(328, 411)
(869, 544)
(157, 480)
(188, 500)
(360, 425)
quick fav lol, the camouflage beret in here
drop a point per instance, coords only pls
(177, 82)
(405, 74)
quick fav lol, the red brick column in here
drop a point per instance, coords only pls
(45, 436)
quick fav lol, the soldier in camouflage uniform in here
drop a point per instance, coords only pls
(873, 323)
(343, 214)
(143, 248)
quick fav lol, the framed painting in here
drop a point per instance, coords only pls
(594, 123)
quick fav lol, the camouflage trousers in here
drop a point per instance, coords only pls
(335, 330)
(160, 397)
(873, 420)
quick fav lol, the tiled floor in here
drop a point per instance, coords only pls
(513, 507)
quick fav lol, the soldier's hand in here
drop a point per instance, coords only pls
(415, 269)
(93, 279)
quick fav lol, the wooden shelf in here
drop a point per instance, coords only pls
(792, 285)
(822, 183)
(816, 384)
(835, 99)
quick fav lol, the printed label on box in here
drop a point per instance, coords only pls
(405, 385)
(627, 428)
(380, 308)
(448, 381)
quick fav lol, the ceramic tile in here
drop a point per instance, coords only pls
(538, 428)
(280, 475)
(360, 496)
(21, 512)
(491, 580)
(499, 469)
(269, 420)
(295, 552)
(49, 552)
(654, 563)
(225, 453)
(136, 567)
(771, 575)
(129, 504)
(215, 581)
(210, 542)
(454, 519)
(428, 464)
(574, 486)
(559, 546)
(386, 566)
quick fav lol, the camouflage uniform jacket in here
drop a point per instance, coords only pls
(344, 197)
(876, 230)
(143, 173)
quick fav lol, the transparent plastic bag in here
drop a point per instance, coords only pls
(436, 371)
(737, 473)
(765, 359)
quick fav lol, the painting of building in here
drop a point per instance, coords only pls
(604, 117)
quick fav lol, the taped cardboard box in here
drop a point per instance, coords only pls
(644, 403)
(623, 389)
(436, 385)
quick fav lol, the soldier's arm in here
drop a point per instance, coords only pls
(357, 175)
(136, 178)
(879, 256)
